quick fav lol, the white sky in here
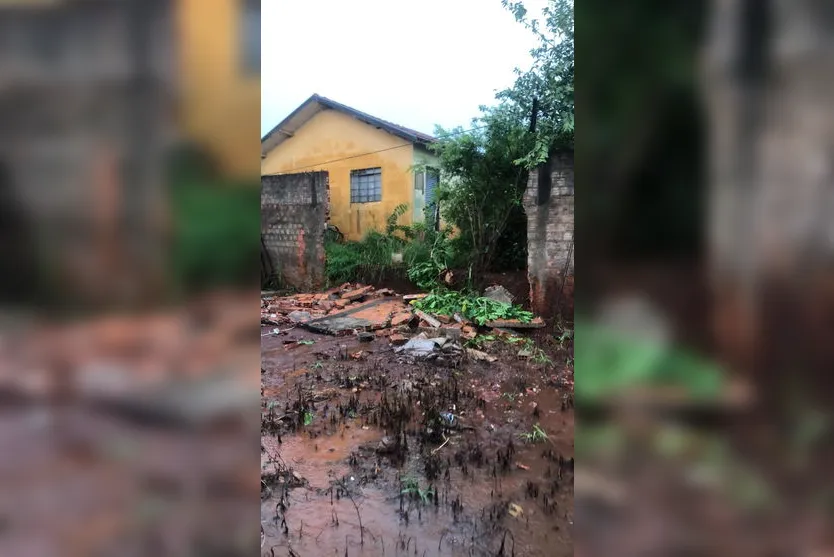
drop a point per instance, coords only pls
(416, 64)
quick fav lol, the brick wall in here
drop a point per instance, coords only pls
(293, 217)
(550, 219)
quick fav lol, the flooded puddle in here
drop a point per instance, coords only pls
(319, 461)
(376, 456)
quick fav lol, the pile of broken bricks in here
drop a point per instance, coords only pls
(351, 309)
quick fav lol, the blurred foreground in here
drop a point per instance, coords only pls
(128, 342)
(703, 335)
(132, 435)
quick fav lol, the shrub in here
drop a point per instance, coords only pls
(426, 252)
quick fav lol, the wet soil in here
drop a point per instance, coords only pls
(366, 453)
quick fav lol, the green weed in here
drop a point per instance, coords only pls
(308, 418)
(537, 435)
(539, 357)
(478, 309)
(411, 488)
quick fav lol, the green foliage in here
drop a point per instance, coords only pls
(549, 79)
(411, 488)
(216, 234)
(391, 223)
(612, 362)
(308, 418)
(481, 340)
(424, 274)
(428, 255)
(480, 185)
(484, 170)
(478, 309)
(536, 435)
(426, 252)
(342, 261)
(375, 250)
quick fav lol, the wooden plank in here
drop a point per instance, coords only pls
(428, 318)
(536, 323)
(409, 297)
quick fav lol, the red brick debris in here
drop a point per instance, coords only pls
(393, 317)
(390, 314)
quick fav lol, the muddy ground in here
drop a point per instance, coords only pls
(368, 452)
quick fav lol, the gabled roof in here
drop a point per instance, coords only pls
(316, 104)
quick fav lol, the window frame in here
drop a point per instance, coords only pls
(372, 192)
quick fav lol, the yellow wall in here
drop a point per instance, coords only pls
(333, 135)
(220, 102)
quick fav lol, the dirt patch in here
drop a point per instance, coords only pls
(387, 453)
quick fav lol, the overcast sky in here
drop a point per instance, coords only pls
(414, 63)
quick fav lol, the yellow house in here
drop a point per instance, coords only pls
(373, 165)
(219, 66)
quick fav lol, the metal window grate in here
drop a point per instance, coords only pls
(366, 185)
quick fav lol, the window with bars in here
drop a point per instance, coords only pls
(366, 185)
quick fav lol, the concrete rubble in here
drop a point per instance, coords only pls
(361, 310)
(499, 294)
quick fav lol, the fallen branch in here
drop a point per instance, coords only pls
(358, 515)
(445, 440)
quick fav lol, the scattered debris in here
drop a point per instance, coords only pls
(461, 319)
(448, 418)
(398, 339)
(499, 294)
(357, 294)
(356, 309)
(481, 356)
(403, 318)
(428, 319)
(515, 510)
(299, 316)
(445, 440)
(418, 347)
(536, 323)
(525, 353)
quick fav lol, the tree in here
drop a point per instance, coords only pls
(549, 81)
(484, 171)
(481, 183)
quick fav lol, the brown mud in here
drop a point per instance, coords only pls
(367, 453)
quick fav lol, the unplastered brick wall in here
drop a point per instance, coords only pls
(549, 205)
(293, 215)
